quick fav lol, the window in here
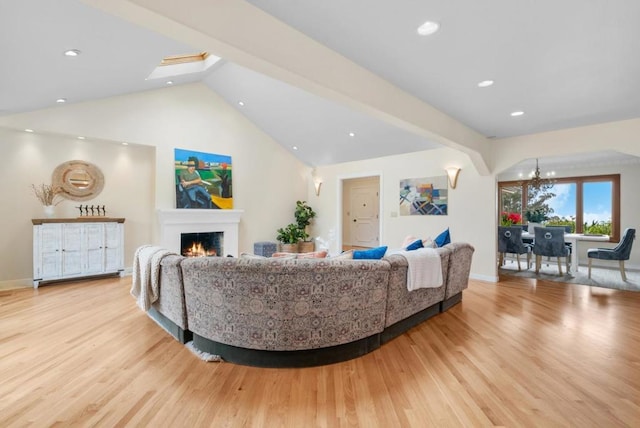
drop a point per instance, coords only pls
(563, 206)
(589, 204)
(597, 212)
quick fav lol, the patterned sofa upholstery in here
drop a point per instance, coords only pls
(300, 312)
(170, 310)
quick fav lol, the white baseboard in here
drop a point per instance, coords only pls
(485, 278)
(12, 284)
(16, 283)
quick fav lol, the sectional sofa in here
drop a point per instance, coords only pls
(303, 312)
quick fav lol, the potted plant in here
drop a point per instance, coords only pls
(304, 214)
(289, 237)
(509, 219)
(536, 215)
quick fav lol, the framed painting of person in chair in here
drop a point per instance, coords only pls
(203, 180)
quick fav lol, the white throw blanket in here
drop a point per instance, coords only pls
(425, 269)
(146, 274)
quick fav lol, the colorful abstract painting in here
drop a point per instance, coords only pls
(424, 196)
(203, 180)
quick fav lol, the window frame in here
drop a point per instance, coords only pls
(579, 182)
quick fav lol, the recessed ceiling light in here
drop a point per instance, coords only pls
(81, 137)
(125, 144)
(241, 103)
(428, 28)
(61, 100)
(517, 113)
(485, 83)
(295, 147)
(169, 82)
(72, 52)
(28, 130)
(352, 134)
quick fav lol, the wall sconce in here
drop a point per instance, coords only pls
(317, 181)
(452, 173)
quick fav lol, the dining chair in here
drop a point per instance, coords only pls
(567, 229)
(620, 252)
(510, 242)
(549, 241)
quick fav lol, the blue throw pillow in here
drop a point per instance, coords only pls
(443, 239)
(415, 245)
(372, 254)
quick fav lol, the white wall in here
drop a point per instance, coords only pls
(623, 136)
(472, 204)
(31, 158)
(267, 180)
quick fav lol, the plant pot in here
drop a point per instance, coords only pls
(306, 246)
(49, 211)
(289, 248)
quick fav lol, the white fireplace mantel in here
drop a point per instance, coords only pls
(174, 222)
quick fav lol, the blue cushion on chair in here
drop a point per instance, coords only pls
(443, 239)
(415, 245)
(372, 254)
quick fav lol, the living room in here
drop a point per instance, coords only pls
(139, 177)
(514, 352)
(200, 116)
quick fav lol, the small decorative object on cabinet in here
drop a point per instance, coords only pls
(74, 248)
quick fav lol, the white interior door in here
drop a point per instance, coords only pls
(361, 222)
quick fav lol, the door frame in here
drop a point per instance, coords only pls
(340, 208)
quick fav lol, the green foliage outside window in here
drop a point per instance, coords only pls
(559, 221)
(538, 210)
(598, 227)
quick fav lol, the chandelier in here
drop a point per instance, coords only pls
(538, 182)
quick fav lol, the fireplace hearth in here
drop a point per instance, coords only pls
(177, 222)
(202, 244)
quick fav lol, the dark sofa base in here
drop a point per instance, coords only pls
(307, 357)
(182, 336)
(401, 326)
(451, 301)
(280, 359)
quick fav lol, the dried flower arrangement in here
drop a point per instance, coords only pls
(46, 193)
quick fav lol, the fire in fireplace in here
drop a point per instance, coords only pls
(202, 244)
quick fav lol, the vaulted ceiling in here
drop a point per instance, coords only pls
(337, 80)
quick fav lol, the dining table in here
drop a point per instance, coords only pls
(573, 238)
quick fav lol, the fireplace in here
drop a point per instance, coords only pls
(174, 223)
(202, 244)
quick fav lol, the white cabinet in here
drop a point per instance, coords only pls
(73, 248)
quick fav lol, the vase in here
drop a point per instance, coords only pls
(531, 227)
(49, 211)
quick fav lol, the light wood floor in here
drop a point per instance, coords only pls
(511, 354)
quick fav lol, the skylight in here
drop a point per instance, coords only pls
(178, 65)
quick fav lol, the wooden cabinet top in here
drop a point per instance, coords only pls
(37, 221)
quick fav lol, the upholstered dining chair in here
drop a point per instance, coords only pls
(620, 252)
(510, 242)
(549, 241)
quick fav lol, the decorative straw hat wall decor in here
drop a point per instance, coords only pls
(79, 180)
